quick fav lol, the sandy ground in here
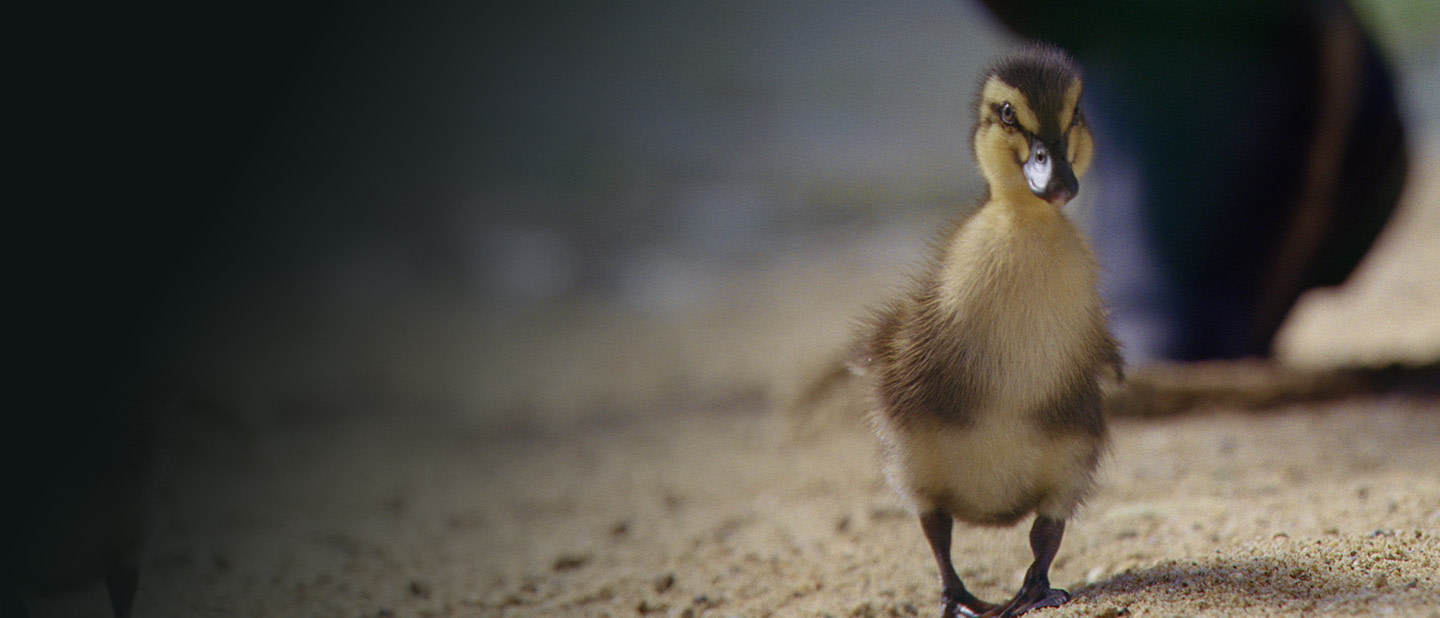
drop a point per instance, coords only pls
(1309, 510)
(660, 467)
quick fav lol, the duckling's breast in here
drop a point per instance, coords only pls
(1020, 289)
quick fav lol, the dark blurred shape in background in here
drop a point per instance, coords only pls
(1263, 150)
(127, 133)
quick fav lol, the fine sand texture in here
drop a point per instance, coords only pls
(1330, 509)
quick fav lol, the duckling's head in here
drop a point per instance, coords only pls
(1030, 138)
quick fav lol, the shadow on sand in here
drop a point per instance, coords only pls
(1304, 583)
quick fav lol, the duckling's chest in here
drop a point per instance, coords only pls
(1020, 288)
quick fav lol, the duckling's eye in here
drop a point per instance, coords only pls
(1007, 114)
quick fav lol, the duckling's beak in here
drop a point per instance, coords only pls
(1049, 176)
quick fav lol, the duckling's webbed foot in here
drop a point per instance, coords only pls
(1036, 592)
(1054, 597)
(958, 602)
(962, 604)
(955, 609)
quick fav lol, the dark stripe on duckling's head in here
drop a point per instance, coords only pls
(1047, 76)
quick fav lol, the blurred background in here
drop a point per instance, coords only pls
(527, 214)
(533, 216)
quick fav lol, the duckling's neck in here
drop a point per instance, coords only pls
(1011, 249)
(1022, 208)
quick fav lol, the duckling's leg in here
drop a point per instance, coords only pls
(1036, 591)
(958, 601)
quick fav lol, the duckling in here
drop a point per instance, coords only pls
(985, 375)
